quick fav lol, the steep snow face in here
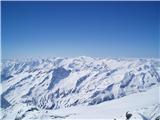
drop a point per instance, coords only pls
(64, 82)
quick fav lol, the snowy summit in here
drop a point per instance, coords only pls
(80, 88)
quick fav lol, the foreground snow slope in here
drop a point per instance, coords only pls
(146, 103)
(35, 85)
(140, 105)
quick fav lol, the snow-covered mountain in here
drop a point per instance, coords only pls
(60, 83)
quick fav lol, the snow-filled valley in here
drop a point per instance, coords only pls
(80, 88)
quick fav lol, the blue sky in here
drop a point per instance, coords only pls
(97, 29)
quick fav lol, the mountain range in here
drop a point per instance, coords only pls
(39, 88)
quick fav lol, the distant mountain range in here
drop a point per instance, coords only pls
(58, 83)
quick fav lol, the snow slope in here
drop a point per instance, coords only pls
(145, 103)
(41, 85)
(140, 105)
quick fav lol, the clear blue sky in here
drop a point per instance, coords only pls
(97, 29)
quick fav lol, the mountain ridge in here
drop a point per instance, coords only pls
(60, 83)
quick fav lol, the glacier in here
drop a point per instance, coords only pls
(75, 88)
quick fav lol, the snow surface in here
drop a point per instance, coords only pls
(145, 104)
(61, 88)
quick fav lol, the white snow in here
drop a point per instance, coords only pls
(81, 88)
